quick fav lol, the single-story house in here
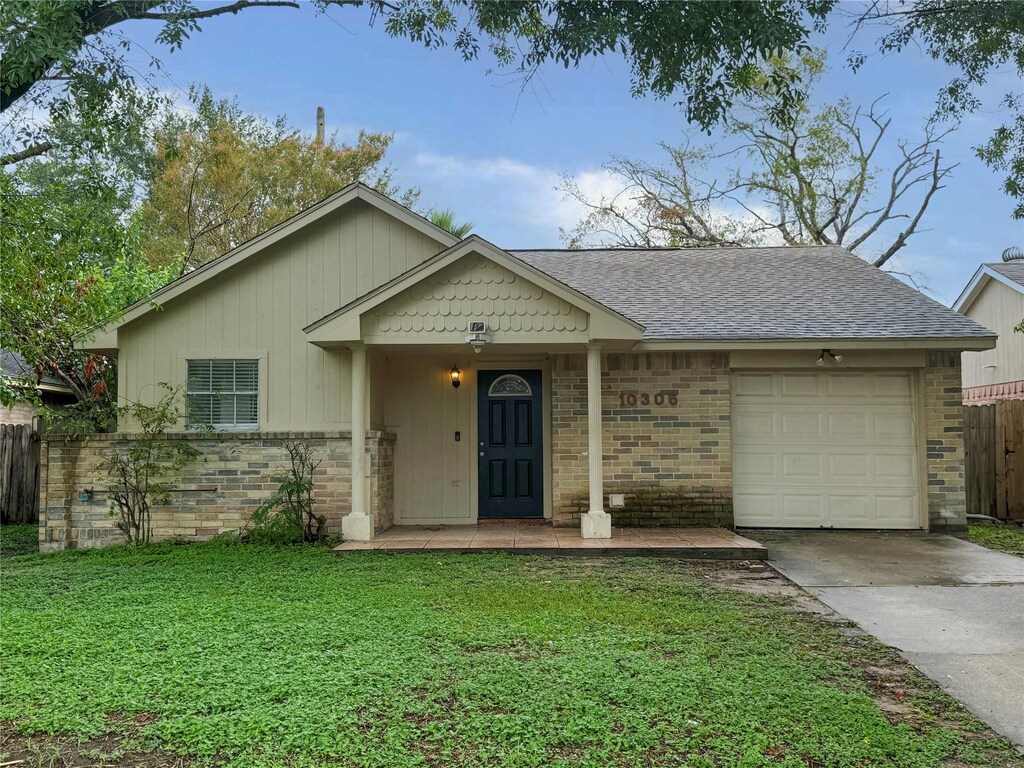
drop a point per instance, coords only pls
(994, 297)
(21, 377)
(451, 381)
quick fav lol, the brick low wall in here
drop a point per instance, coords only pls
(217, 492)
(670, 456)
(944, 436)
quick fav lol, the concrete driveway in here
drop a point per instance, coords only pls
(954, 609)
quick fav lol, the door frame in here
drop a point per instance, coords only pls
(541, 364)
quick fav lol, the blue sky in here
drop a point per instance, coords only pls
(494, 152)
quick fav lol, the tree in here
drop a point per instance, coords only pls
(976, 39)
(801, 176)
(222, 177)
(59, 53)
(71, 259)
(445, 219)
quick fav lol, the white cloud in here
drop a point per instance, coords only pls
(512, 202)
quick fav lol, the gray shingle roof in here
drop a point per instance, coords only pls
(1014, 270)
(15, 368)
(808, 292)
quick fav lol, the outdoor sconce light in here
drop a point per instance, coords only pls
(456, 375)
(85, 495)
(835, 358)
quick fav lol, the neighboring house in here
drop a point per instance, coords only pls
(995, 298)
(750, 387)
(50, 390)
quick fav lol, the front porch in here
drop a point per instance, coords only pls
(688, 543)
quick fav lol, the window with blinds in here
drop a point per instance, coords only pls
(223, 394)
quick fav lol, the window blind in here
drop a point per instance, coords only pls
(223, 393)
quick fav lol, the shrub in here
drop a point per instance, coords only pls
(288, 517)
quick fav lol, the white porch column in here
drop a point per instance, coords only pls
(596, 524)
(357, 525)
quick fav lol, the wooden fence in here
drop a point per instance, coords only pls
(19, 474)
(994, 459)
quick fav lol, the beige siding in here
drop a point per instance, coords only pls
(433, 472)
(258, 310)
(438, 309)
(1000, 308)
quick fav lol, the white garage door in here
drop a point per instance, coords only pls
(834, 450)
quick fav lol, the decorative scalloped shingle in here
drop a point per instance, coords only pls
(805, 292)
(474, 288)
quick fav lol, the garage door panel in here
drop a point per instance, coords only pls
(846, 426)
(897, 466)
(754, 425)
(800, 385)
(801, 510)
(802, 466)
(761, 509)
(760, 466)
(798, 425)
(754, 384)
(825, 450)
(893, 426)
(851, 466)
(892, 385)
(850, 386)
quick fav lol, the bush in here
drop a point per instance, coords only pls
(288, 517)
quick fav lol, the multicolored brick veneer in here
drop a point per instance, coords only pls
(944, 435)
(666, 438)
(218, 492)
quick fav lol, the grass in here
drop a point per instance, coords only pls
(252, 656)
(1006, 538)
(18, 540)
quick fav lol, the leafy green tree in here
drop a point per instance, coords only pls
(62, 53)
(221, 176)
(802, 176)
(71, 257)
(65, 54)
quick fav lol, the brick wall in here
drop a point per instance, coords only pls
(382, 481)
(944, 433)
(672, 460)
(217, 492)
(19, 413)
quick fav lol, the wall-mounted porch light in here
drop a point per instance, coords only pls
(456, 375)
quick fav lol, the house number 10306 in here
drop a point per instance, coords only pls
(633, 399)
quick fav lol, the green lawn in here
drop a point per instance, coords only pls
(252, 656)
(1006, 538)
(18, 540)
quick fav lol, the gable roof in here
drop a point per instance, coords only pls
(755, 294)
(343, 323)
(1009, 273)
(355, 191)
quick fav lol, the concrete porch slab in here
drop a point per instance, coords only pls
(686, 543)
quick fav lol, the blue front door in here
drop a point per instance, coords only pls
(511, 454)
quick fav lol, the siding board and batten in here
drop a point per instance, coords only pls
(1001, 308)
(261, 309)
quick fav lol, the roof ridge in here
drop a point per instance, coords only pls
(686, 248)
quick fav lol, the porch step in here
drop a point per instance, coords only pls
(685, 543)
(517, 521)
